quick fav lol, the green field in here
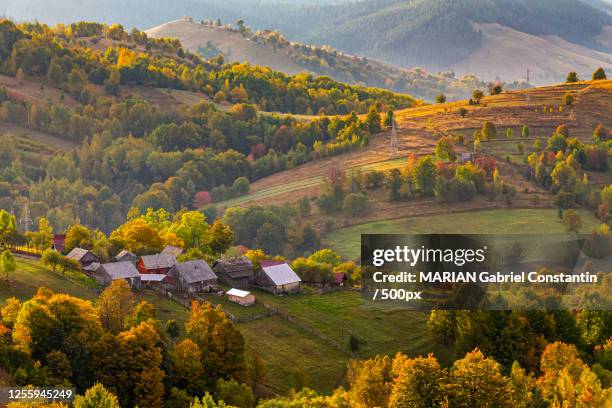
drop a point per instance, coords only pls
(380, 330)
(294, 358)
(525, 221)
(30, 275)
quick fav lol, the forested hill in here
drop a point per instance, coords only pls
(471, 36)
(154, 125)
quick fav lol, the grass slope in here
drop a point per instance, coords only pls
(347, 241)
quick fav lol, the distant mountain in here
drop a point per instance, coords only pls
(490, 38)
(271, 49)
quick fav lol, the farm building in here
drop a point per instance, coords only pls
(92, 267)
(83, 256)
(59, 240)
(242, 297)
(109, 272)
(193, 276)
(125, 256)
(156, 279)
(235, 272)
(176, 251)
(159, 263)
(278, 278)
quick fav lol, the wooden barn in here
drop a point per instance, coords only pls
(158, 264)
(124, 256)
(242, 297)
(193, 276)
(83, 256)
(278, 278)
(109, 272)
(235, 272)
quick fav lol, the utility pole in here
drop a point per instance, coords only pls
(394, 147)
(26, 220)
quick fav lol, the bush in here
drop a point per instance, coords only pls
(565, 200)
(356, 204)
(568, 99)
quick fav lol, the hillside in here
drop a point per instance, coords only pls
(271, 49)
(418, 131)
(393, 31)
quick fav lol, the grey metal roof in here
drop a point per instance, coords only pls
(176, 251)
(152, 277)
(125, 253)
(235, 267)
(159, 261)
(195, 271)
(120, 270)
(281, 274)
(77, 253)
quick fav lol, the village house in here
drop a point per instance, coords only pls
(193, 276)
(83, 256)
(109, 272)
(242, 297)
(235, 272)
(278, 278)
(124, 256)
(176, 251)
(158, 263)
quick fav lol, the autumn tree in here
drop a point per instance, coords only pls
(418, 383)
(445, 149)
(221, 344)
(488, 132)
(58, 322)
(566, 381)
(96, 397)
(78, 235)
(221, 237)
(572, 221)
(599, 74)
(193, 230)
(8, 263)
(141, 349)
(477, 381)
(572, 77)
(373, 121)
(370, 382)
(115, 304)
(235, 394)
(188, 372)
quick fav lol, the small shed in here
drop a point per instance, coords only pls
(193, 276)
(125, 255)
(242, 297)
(83, 256)
(278, 278)
(169, 249)
(109, 272)
(159, 263)
(235, 272)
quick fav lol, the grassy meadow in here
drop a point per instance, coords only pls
(347, 241)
